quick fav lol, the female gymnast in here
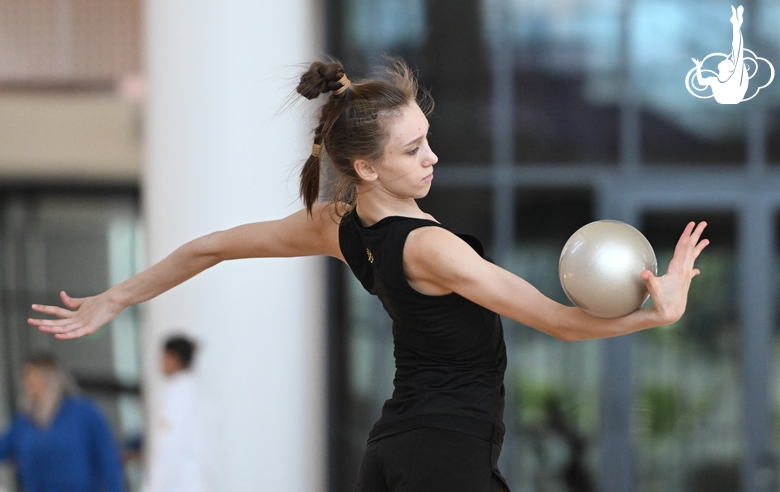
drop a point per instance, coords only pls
(442, 429)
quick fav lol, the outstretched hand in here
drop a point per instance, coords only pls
(85, 316)
(670, 291)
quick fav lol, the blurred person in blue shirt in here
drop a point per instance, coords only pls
(60, 442)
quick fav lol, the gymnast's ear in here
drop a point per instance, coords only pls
(365, 170)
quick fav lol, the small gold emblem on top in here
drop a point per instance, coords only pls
(370, 256)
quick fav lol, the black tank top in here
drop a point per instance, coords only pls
(449, 352)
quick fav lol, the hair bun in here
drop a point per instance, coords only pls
(320, 78)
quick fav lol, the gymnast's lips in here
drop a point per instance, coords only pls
(428, 178)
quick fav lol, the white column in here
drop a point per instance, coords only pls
(220, 153)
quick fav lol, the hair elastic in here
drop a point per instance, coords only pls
(344, 81)
(316, 149)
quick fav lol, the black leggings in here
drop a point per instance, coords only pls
(430, 460)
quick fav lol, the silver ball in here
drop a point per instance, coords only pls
(600, 268)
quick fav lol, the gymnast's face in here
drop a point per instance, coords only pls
(406, 169)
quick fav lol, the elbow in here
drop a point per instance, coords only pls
(560, 332)
(566, 336)
(563, 324)
(207, 248)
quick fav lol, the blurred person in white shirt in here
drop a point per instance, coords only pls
(180, 459)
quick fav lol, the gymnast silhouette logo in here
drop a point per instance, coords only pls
(730, 84)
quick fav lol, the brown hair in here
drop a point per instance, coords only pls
(353, 124)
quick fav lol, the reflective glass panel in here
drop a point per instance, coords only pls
(769, 38)
(676, 126)
(774, 391)
(552, 412)
(687, 404)
(773, 138)
(566, 74)
(80, 243)
(441, 40)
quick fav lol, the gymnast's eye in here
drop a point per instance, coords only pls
(413, 151)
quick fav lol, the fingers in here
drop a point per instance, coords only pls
(683, 243)
(693, 232)
(689, 247)
(652, 284)
(55, 325)
(696, 242)
(69, 331)
(689, 240)
(50, 323)
(71, 302)
(651, 281)
(64, 324)
(75, 333)
(53, 310)
(700, 247)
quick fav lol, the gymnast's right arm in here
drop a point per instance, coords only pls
(299, 234)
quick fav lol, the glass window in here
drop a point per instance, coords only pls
(774, 378)
(449, 55)
(80, 243)
(676, 126)
(768, 39)
(768, 36)
(463, 210)
(560, 66)
(688, 403)
(567, 78)
(552, 412)
(773, 138)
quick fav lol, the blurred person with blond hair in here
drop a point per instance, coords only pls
(60, 442)
(181, 442)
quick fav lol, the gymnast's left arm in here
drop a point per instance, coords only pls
(438, 262)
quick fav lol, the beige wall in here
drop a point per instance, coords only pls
(51, 137)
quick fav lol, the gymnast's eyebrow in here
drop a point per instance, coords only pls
(416, 140)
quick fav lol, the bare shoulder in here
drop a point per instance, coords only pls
(436, 247)
(431, 240)
(436, 260)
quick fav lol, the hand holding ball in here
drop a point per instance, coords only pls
(600, 268)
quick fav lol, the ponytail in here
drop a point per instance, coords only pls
(321, 78)
(310, 176)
